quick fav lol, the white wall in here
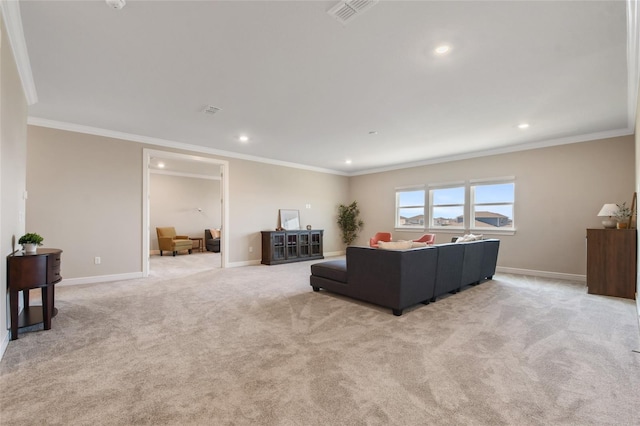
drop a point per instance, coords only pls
(13, 146)
(175, 200)
(559, 191)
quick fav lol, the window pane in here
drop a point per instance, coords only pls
(448, 216)
(411, 217)
(500, 193)
(448, 196)
(411, 198)
(488, 216)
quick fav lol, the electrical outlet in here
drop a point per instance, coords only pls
(96, 260)
(250, 249)
(308, 206)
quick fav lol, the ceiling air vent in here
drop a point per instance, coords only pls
(346, 11)
(210, 109)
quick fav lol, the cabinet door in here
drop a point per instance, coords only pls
(292, 245)
(304, 244)
(278, 246)
(611, 262)
(316, 243)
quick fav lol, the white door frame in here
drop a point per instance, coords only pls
(147, 154)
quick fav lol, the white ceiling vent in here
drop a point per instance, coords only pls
(210, 109)
(347, 10)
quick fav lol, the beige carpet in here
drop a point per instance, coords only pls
(196, 345)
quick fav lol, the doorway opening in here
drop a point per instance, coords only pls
(187, 166)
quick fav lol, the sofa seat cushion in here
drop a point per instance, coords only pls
(335, 270)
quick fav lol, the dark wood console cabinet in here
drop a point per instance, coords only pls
(611, 262)
(33, 270)
(291, 246)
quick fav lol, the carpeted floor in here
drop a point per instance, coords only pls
(198, 345)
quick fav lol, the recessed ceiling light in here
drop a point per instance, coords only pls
(243, 138)
(441, 50)
(523, 126)
(161, 165)
(347, 162)
(116, 4)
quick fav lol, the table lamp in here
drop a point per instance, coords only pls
(609, 210)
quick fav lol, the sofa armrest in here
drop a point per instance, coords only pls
(181, 237)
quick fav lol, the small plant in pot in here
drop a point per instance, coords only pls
(622, 215)
(30, 242)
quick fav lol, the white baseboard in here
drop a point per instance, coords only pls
(4, 344)
(543, 274)
(100, 279)
(243, 263)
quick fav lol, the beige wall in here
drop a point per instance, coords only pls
(13, 145)
(559, 191)
(174, 201)
(85, 197)
(258, 190)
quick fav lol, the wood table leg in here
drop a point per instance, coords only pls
(47, 306)
(13, 307)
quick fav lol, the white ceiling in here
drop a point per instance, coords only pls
(309, 90)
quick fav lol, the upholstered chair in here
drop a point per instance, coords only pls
(426, 238)
(169, 241)
(380, 236)
(212, 240)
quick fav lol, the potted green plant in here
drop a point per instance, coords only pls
(30, 242)
(622, 215)
(349, 222)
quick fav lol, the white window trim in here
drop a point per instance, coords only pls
(447, 229)
(491, 181)
(397, 213)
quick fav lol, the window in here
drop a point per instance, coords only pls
(447, 207)
(410, 208)
(492, 206)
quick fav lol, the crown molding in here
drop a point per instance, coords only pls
(13, 23)
(504, 150)
(43, 122)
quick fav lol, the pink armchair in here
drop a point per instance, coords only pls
(380, 236)
(426, 238)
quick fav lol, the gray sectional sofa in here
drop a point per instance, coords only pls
(398, 279)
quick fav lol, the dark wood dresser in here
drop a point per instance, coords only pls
(611, 262)
(291, 246)
(33, 270)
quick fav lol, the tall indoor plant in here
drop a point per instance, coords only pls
(349, 222)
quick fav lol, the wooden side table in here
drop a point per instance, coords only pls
(33, 270)
(200, 246)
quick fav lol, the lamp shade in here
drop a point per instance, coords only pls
(608, 210)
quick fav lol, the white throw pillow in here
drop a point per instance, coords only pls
(395, 245)
(469, 237)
